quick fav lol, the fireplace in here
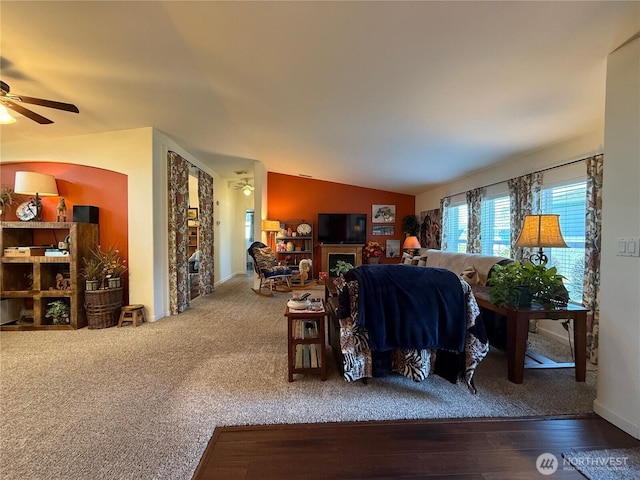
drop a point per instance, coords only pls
(334, 258)
(347, 253)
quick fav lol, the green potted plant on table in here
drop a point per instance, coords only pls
(59, 311)
(518, 283)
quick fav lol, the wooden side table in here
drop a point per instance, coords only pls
(305, 341)
(518, 329)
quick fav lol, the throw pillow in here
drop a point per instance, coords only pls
(265, 259)
(470, 275)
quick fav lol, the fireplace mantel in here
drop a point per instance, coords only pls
(340, 249)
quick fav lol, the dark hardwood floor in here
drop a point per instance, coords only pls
(469, 449)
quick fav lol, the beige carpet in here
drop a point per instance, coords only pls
(143, 402)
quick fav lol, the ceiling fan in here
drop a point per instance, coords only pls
(13, 102)
(245, 186)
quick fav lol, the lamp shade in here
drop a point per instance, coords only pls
(411, 242)
(270, 225)
(34, 183)
(541, 231)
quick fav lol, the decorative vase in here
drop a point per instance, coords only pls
(113, 282)
(91, 285)
(373, 260)
(289, 246)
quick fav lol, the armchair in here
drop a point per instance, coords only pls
(272, 276)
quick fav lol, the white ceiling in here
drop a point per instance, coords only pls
(398, 96)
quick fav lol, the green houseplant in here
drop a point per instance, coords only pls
(92, 273)
(341, 267)
(59, 311)
(410, 226)
(517, 283)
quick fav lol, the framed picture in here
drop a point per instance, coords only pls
(383, 230)
(192, 214)
(383, 214)
(393, 248)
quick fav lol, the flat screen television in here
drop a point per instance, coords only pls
(342, 227)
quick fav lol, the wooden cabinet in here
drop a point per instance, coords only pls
(34, 279)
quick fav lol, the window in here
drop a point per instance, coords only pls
(494, 228)
(569, 201)
(457, 228)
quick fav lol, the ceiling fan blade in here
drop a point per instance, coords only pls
(69, 107)
(27, 113)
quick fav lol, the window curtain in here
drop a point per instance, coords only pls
(593, 229)
(474, 203)
(444, 208)
(524, 193)
(178, 190)
(205, 232)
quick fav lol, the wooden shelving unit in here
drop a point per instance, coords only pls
(32, 279)
(306, 342)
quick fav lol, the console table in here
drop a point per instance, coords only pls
(518, 328)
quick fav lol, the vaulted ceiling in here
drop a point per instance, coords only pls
(398, 96)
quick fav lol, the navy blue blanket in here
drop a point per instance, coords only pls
(409, 307)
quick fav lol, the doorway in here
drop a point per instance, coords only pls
(248, 238)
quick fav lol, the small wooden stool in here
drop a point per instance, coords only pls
(129, 313)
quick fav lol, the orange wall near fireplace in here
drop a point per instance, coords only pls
(81, 185)
(292, 197)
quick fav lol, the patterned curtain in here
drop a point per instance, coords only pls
(205, 232)
(593, 226)
(524, 193)
(474, 203)
(444, 208)
(178, 190)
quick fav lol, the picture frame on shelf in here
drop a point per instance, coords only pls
(192, 214)
(383, 214)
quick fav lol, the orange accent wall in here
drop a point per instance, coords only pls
(81, 185)
(292, 197)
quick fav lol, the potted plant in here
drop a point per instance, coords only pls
(341, 267)
(518, 283)
(92, 273)
(372, 252)
(113, 265)
(59, 311)
(8, 198)
(410, 226)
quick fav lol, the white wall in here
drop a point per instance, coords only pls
(559, 154)
(618, 397)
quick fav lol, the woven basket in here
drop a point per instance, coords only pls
(103, 307)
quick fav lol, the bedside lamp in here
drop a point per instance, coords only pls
(541, 231)
(38, 184)
(411, 243)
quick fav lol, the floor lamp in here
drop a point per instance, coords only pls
(271, 226)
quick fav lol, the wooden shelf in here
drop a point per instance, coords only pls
(32, 280)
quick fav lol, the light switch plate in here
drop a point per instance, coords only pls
(628, 247)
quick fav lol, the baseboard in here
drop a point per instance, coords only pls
(554, 335)
(620, 422)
